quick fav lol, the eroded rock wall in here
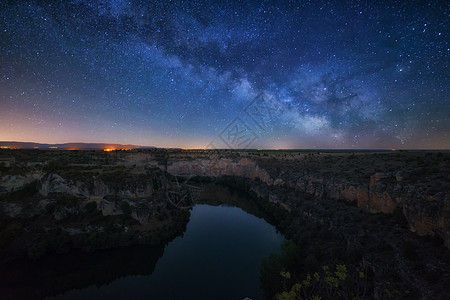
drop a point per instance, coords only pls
(382, 193)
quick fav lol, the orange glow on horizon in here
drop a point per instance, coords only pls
(114, 149)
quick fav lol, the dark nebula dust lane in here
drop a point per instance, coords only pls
(334, 74)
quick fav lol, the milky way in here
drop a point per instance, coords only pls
(337, 74)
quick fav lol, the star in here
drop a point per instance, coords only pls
(177, 75)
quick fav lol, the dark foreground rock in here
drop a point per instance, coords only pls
(383, 214)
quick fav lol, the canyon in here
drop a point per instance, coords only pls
(368, 200)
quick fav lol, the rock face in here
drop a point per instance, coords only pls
(136, 190)
(11, 183)
(131, 187)
(55, 184)
(426, 209)
(384, 192)
(242, 167)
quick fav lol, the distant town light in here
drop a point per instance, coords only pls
(114, 149)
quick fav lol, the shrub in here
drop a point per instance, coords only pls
(327, 284)
(311, 262)
(155, 184)
(50, 208)
(9, 230)
(126, 210)
(28, 190)
(91, 207)
(67, 200)
(269, 275)
(37, 250)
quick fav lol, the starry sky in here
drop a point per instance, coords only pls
(226, 74)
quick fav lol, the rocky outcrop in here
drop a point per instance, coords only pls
(242, 167)
(23, 209)
(427, 211)
(55, 184)
(11, 183)
(135, 190)
(383, 193)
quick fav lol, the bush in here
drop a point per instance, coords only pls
(50, 208)
(311, 262)
(327, 284)
(126, 210)
(409, 250)
(91, 207)
(37, 250)
(269, 275)
(290, 255)
(67, 200)
(286, 261)
(9, 230)
(155, 184)
(399, 217)
(55, 166)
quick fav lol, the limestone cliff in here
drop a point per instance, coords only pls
(420, 191)
(10, 183)
(382, 192)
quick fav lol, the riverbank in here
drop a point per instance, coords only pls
(364, 210)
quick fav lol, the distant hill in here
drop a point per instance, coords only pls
(69, 146)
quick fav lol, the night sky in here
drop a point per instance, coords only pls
(239, 74)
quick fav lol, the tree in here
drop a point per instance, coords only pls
(126, 210)
(91, 207)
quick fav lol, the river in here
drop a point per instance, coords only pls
(218, 257)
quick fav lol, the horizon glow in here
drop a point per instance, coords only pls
(177, 74)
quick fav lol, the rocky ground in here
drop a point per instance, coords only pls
(381, 213)
(55, 206)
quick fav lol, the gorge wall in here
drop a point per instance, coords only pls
(415, 184)
(54, 201)
(426, 210)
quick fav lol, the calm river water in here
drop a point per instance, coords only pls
(218, 257)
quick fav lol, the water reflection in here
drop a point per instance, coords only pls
(218, 257)
(52, 275)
